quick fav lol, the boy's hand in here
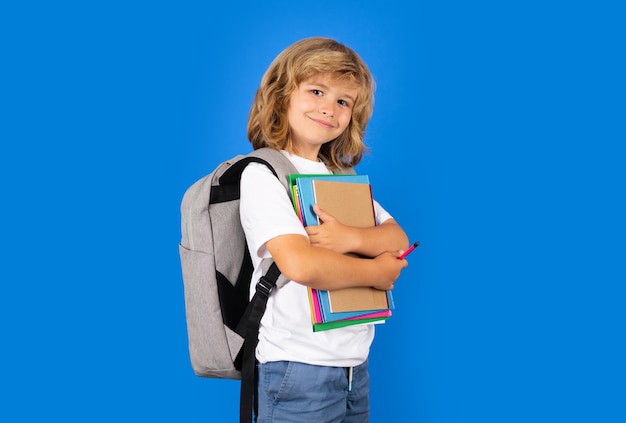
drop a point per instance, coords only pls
(330, 233)
(390, 267)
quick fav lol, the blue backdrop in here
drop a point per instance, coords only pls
(496, 141)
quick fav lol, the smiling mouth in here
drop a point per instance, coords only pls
(322, 123)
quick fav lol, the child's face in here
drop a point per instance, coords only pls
(319, 110)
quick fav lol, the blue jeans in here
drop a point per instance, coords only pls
(296, 392)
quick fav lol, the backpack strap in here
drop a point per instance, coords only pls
(249, 330)
(248, 327)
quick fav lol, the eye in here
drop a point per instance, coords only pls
(343, 103)
(316, 92)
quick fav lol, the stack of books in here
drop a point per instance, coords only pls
(349, 199)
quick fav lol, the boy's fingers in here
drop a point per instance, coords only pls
(321, 213)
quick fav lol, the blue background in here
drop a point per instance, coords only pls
(496, 141)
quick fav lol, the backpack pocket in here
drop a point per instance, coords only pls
(212, 345)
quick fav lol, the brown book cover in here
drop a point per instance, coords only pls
(351, 204)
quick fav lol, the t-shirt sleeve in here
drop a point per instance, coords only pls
(266, 209)
(381, 213)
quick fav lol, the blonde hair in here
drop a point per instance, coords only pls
(267, 122)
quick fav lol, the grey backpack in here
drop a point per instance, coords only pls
(222, 323)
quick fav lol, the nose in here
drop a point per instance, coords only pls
(327, 108)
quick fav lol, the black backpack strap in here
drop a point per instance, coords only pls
(228, 188)
(248, 328)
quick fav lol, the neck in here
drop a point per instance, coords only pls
(307, 153)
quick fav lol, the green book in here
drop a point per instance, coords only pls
(318, 327)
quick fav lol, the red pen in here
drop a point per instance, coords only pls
(408, 251)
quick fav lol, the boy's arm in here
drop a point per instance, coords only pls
(369, 242)
(321, 268)
(388, 236)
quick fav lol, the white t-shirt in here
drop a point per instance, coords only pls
(286, 331)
